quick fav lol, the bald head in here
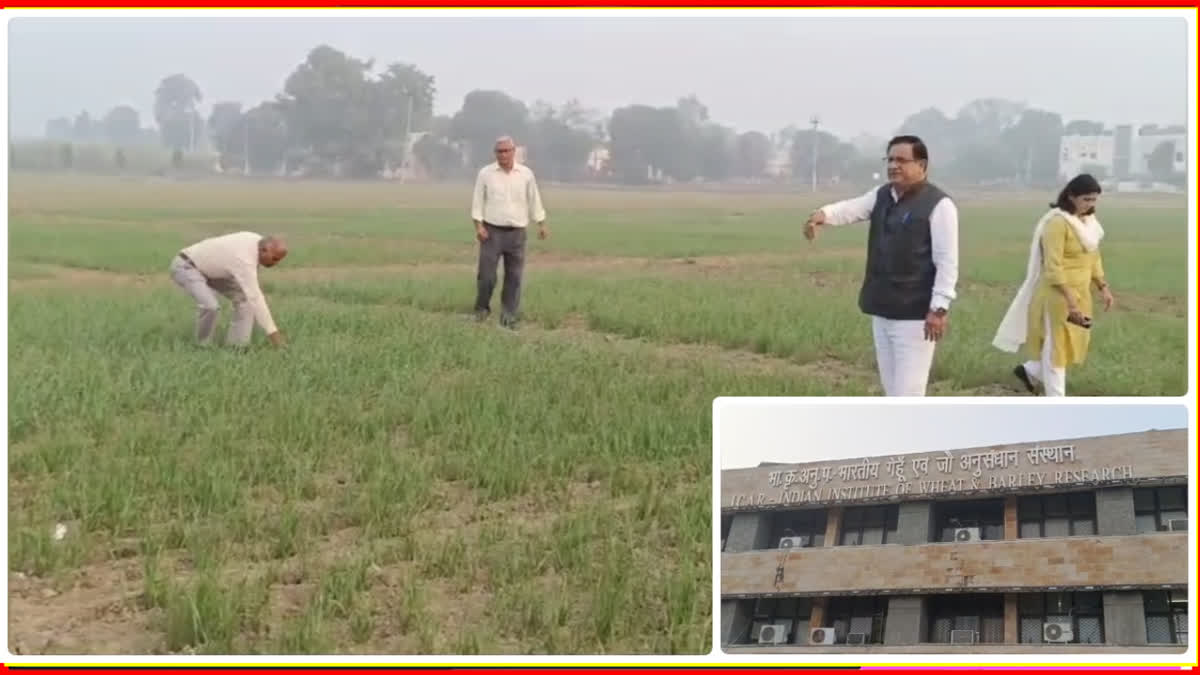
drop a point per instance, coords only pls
(271, 250)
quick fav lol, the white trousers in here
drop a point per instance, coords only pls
(1054, 380)
(904, 356)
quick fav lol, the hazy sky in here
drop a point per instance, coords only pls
(858, 74)
(751, 434)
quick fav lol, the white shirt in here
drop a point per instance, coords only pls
(943, 230)
(507, 198)
(234, 256)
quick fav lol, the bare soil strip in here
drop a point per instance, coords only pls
(743, 267)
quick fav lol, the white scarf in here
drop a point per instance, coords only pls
(1013, 328)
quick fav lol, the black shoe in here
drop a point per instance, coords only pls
(508, 321)
(1023, 376)
(481, 315)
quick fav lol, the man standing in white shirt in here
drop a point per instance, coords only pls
(505, 202)
(228, 265)
(912, 264)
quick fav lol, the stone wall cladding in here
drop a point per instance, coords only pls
(1103, 562)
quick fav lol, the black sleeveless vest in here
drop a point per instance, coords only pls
(900, 271)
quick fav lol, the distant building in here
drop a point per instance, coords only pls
(1068, 545)
(1150, 138)
(598, 161)
(779, 164)
(1080, 153)
(1121, 153)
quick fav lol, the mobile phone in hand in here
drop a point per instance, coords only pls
(1085, 322)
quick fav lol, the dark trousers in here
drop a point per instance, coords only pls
(507, 243)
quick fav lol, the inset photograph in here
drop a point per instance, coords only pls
(955, 528)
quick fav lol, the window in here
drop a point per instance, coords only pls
(808, 525)
(1166, 617)
(1155, 508)
(794, 613)
(1082, 612)
(982, 614)
(1063, 515)
(1179, 157)
(865, 615)
(869, 525)
(985, 515)
(726, 525)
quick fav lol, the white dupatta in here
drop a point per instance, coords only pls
(1014, 327)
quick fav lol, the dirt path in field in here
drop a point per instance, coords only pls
(748, 267)
(574, 329)
(65, 275)
(75, 278)
(736, 266)
(835, 372)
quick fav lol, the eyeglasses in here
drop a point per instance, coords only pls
(898, 160)
(503, 151)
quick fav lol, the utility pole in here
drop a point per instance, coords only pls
(246, 145)
(404, 161)
(816, 122)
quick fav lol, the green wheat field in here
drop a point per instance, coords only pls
(402, 480)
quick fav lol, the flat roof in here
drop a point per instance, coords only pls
(1145, 457)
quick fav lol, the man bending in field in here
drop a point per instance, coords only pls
(228, 265)
(912, 264)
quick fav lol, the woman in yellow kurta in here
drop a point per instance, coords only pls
(1052, 313)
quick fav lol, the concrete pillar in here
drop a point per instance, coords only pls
(1114, 511)
(833, 526)
(748, 532)
(1012, 523)
(907, 622)
(1124, 618)
(914, 523)
(1012, 618)
(816, 619)
(735, 619)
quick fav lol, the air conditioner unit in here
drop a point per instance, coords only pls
(822, 636)
(963, 534)
(856, 639)
(772, 634)
(793, 542)
(1057, 632)
(1177, 524)
(963, 637)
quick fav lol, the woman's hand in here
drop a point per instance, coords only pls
(1073, 314)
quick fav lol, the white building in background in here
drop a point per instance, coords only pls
(1078, 153)
(779, 164)
(1148, 140)
(1121, 153)
(599, 160)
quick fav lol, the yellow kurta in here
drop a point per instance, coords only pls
(1064, 262)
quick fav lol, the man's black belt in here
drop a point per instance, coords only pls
(186, 259)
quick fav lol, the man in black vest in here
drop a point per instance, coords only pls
(912, 264)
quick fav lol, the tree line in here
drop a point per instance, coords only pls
(339, 116)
